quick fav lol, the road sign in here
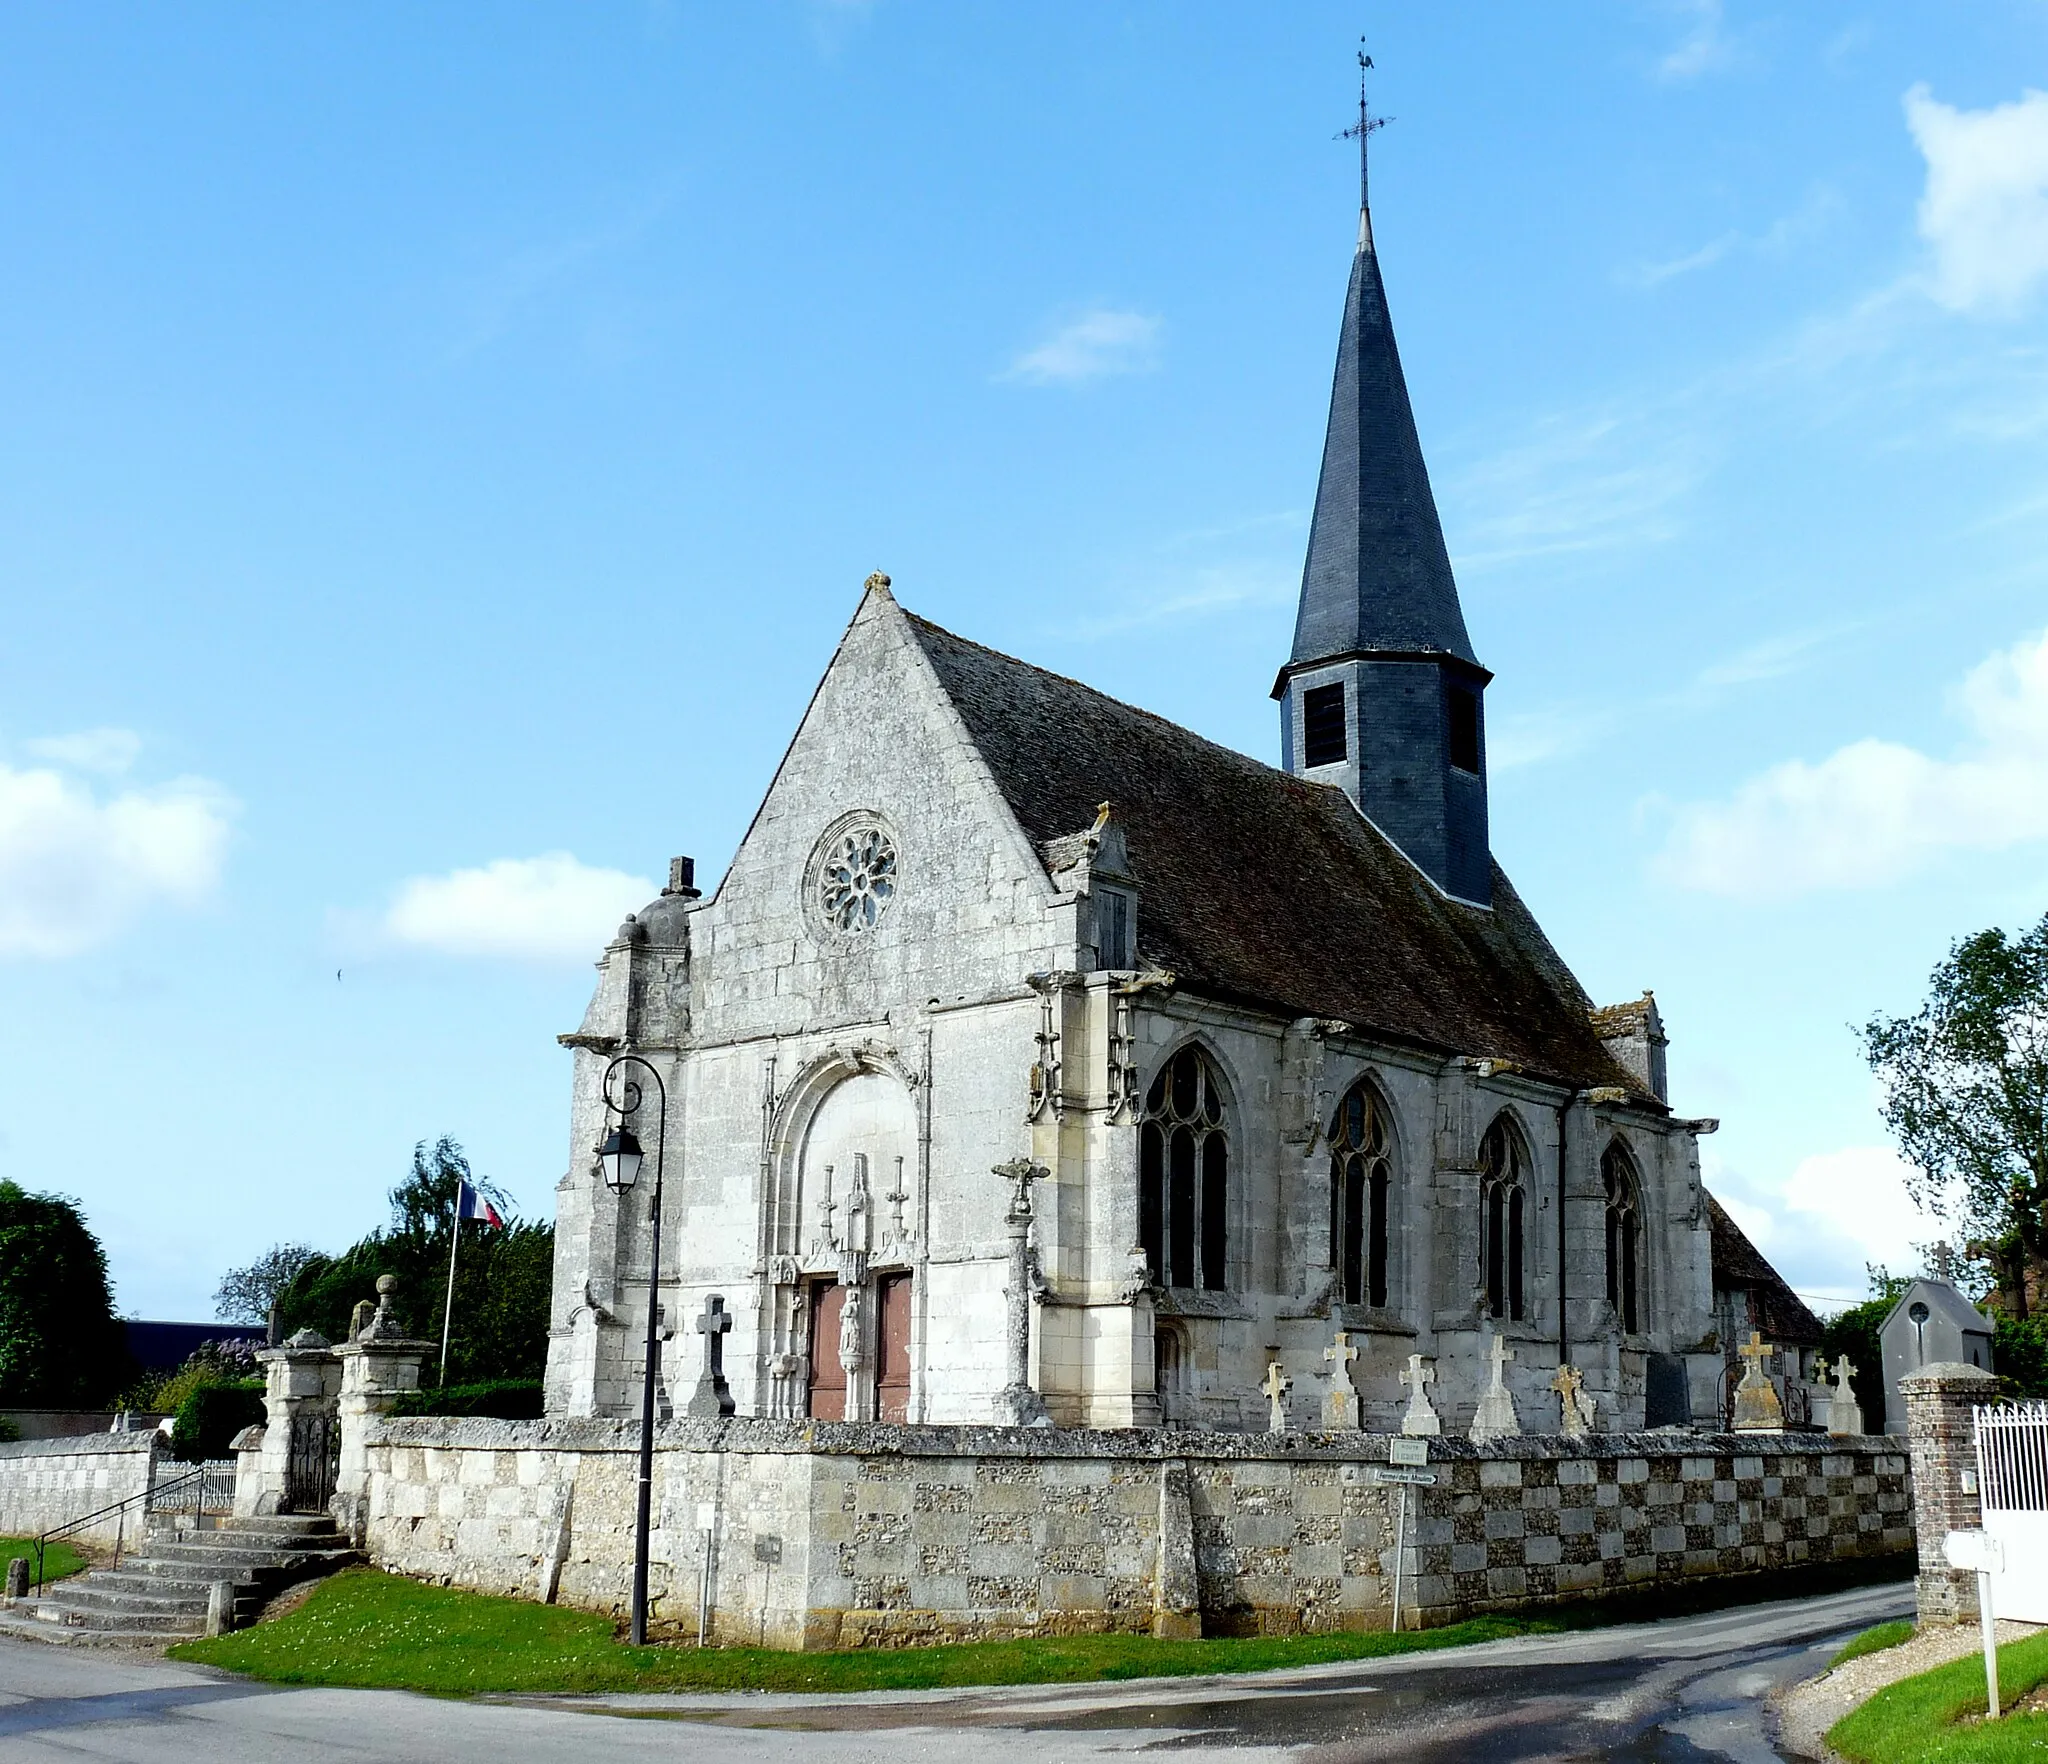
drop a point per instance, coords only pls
(1975, 1551)
(1407, 1478)
(1407, 1451)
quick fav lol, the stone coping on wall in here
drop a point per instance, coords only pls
(81, 1445)
(869, 1439)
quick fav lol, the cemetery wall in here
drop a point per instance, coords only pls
(45, 1483)
(842, 1535)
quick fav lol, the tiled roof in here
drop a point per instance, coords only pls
(1264, 889)
(1781, 1315)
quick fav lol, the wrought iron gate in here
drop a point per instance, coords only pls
(315, 1460)
(2012, 1483)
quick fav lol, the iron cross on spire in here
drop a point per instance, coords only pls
(1367, 125)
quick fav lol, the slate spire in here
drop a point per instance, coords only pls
(1378, 576)
(1382, 694)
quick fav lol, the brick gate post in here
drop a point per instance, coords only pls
(1940, 1402)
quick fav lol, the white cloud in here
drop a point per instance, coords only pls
(1876, 810)
(547, 908)
(111, 751)
(1838, 1212)
(1098, 343)
(1985, 208)
(76, 870)
(1706, 46)
(1859, 1193)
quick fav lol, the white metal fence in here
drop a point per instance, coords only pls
(2012, 1486)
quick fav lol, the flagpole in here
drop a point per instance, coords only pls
(448, 1308)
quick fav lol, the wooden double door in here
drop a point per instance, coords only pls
(887, 1368)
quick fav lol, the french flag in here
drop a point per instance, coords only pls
(471, 1205)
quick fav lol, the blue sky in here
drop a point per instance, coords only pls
(439, 449)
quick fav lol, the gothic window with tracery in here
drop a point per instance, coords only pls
(1624, 1211)
(1503, 1187)
(857, 880)
(1361, 1191)
(1184, 1175)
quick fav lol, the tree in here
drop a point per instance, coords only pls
(1966, 1094)
(503, 1278)
(245, 1295)
(61, 1345)
(1852, 1335)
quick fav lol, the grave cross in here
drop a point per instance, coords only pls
(1756, 1351)
(1500, 1353)
(713, 1397)
(1421, 1420)
(1577, 1409)
(1276, 1387)
(1340, 1405)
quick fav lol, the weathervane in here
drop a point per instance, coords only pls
(1363, 130)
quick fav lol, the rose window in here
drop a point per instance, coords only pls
(858, 879)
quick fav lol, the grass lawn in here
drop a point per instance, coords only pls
(1916, 1719)
(367, 1628)
(59, 1559)
(1875, 1640)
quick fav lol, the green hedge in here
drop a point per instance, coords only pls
(211, 1416)
(506, 1399)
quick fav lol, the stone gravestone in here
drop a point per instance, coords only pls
(712, 1399)
(1845, 1413)
(1421, 1420)
(1576, 1419)
(1276, 1387)
(1340, 1402)
(1757, 1409)
(1496, 1418)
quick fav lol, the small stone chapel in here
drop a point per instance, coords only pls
(1268, 1052)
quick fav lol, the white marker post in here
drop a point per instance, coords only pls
(1403, 1480)
(1980, 1551)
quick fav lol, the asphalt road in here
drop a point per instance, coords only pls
(1682, 1690)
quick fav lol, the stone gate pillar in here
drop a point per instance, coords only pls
(302, 1378)
(378, 1363)
(1940, 1401)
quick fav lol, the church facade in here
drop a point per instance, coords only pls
(1292, 1055)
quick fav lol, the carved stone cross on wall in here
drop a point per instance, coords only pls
(713, 1396)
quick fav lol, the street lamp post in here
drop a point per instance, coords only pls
(620, 1158)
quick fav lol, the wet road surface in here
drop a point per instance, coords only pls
(1675, 1692)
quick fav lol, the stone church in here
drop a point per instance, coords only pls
(1290, 1050)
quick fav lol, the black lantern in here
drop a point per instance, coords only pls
(620, 1157)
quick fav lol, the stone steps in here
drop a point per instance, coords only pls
(161, 1592)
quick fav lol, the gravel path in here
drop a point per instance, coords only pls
(1807, 1711)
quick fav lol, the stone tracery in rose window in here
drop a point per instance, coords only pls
(857, 881)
